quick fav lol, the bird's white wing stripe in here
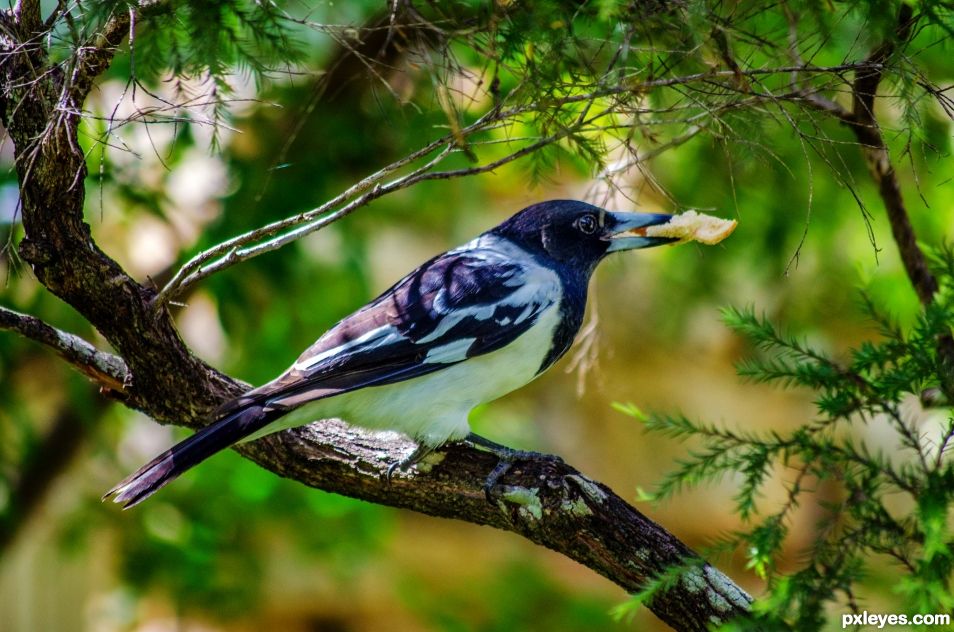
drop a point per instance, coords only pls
(480, 312)
(380, 336)
(524, 314)
(451, 352)
(540, 287)
(439, 304)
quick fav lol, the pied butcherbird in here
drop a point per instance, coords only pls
(466, 327)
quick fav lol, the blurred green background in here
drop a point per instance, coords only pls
(232, 547)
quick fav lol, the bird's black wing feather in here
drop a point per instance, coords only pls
(456, 306)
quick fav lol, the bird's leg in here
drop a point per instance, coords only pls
(506, 457)
(421, 451)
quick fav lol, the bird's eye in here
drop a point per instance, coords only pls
(587, 224)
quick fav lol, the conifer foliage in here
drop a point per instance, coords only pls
(887, 503)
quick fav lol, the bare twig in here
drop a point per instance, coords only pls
(239, 248)
(105, 369)
(228, 251)
(62, 10)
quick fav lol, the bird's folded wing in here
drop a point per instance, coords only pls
(456, 306)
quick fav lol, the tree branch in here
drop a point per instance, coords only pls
(863, 123)
(551, 504)
(240, 247)
(90, 61)
(58, 244)
(865, 126)
(106, 369)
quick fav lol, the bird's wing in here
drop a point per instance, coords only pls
(456, 306)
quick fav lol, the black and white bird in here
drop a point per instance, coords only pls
(465, 328)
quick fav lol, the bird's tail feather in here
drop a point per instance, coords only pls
(166, 467)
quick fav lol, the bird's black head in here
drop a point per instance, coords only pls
(579, 234)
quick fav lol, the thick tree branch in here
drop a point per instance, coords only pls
(549, 503)
(26, 13)
(59, 246)
(106, 369)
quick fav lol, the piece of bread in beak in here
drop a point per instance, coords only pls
(693, 226)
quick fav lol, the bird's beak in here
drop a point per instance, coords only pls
(627, 231)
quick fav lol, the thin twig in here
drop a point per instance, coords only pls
(108, 370)
(195, 269)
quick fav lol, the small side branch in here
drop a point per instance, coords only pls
(107, 370)
(865, 126)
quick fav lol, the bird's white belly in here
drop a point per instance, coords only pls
(433, 408)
